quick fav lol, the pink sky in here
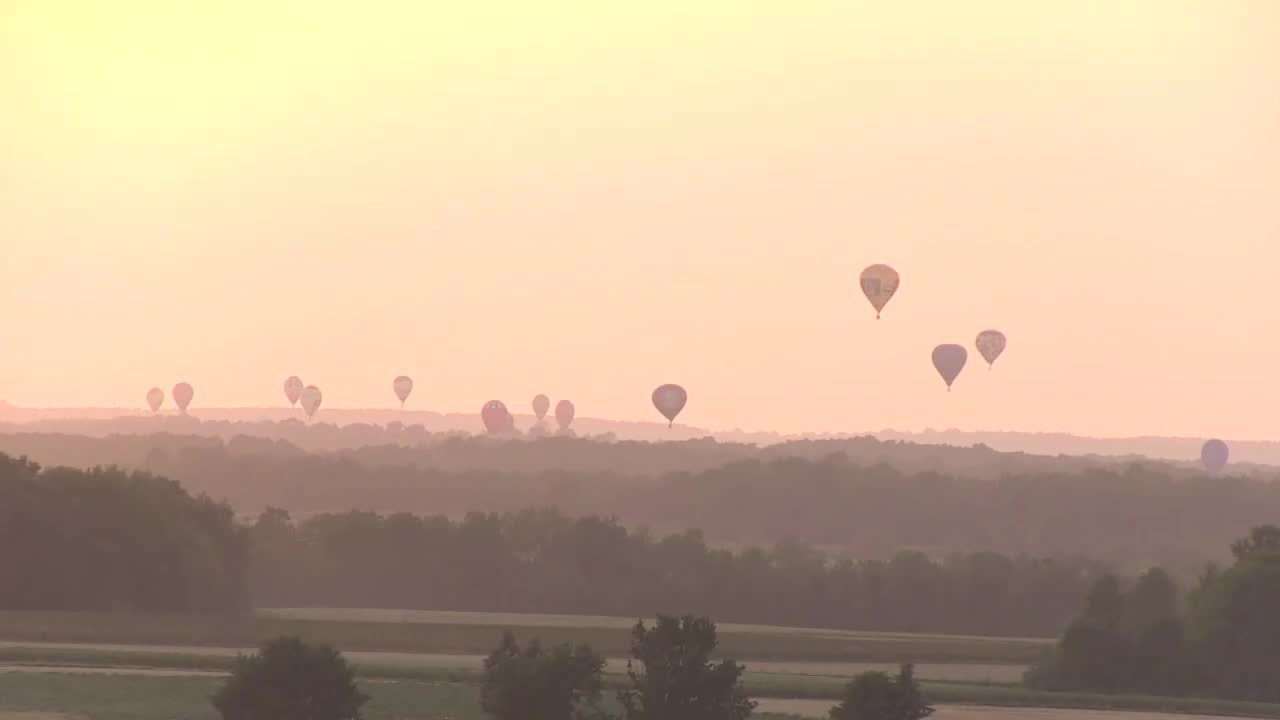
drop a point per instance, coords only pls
(510, 198)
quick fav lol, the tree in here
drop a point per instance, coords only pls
(677, 680)
(1233, 627)
(534, 683)
(1263, 541)
(876, 696)
(288, 679)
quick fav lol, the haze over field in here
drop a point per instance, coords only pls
(912, 353)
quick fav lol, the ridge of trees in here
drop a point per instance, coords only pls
(110, 540)
(545, 562)
(105, 539)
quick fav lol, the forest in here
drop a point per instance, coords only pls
(859, 498)
(1220, 640)
(111, 540)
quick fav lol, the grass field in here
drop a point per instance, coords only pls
(142, 697)
(467, 633)
(425, 665)
(437, 666)
(131, 697)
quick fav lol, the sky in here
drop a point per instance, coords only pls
(590, 199)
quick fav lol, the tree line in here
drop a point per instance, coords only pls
(1222, 640)
(546, 562)
(860, 496)
(1135, 516)
(110, 540)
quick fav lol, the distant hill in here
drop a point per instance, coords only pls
(105, 421)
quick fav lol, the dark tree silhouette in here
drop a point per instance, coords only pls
(557, 684)
(676, 679)
(290, 680)
(874, 695)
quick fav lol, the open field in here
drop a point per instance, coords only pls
(150, 697)
(439, 666)
(101, 664)
(449, 617)
(133, 697)
(477, 633)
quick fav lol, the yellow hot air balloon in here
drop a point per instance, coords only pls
(879, 283)
(311, 397)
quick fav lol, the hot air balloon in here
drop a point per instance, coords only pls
(403, 385)
(949, 360)
(564, 414)
(293, 389)
(496, 417)
(879, 283)
(1214, 454)
(311, 397)
(155, 398)
(990, 344)
(182, 395)
(541, 404)
(670, 400)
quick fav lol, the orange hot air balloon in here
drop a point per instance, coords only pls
(670, 400)
(402, 385)
(879, 283)
(155, 398)
(293, 389)
(564, 414)
(541, 404)
(311, 398)
(496, 417)
(182, 395)
(990, 344)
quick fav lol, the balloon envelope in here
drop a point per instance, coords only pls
(990, 344)
(155, 398)
(311, 398)
(403, 385)
(564, 414)
(1214, 455)
(541, 404)
(293, 389)
(182, 395)
(670, 400)
(949, 361)
(879, 283)
(496, 417)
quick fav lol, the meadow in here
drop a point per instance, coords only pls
(478, 633)
(426, 664)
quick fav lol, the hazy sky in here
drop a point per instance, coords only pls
(588, 199)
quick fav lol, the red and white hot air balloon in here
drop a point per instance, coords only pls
(541, 404)
(564, 414)
(155, 398)
(496, 417)
(293, 389)
(402, 385)
(670, 400)
(311, 398)
(879, 283)
(182, 395)
(990, 344)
